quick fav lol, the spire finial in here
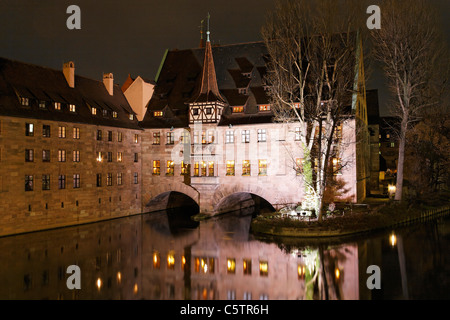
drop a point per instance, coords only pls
(207, 29)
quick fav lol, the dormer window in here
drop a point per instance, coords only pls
(114, 114)
(72, 107)
(247, 74)
(264, 107)
(131, 116)
(105, 112)
(94, 111)
(238, 109)
(24, 101)
(157, 113)
(42, 104)
(57, 105)
(242, 90)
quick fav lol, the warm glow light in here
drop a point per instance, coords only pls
(135, 288)
(231, 265)
(183, 262)
(337, 273)
(170, 261)
(335, 161)
(263, 268)
(156, 260)
(393, 239)
(392, 188)
(99, 283)
(119, 277)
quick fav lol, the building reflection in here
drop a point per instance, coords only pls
(144, 257)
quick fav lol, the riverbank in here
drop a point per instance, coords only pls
(375, 215)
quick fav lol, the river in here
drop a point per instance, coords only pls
(165, 256)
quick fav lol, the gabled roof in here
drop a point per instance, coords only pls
(18, 79)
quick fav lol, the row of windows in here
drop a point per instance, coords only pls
(207, 264)
(30, 156)
(207, 137)
(76, 181)
(62, 133)
(203, 168)
(42, 104)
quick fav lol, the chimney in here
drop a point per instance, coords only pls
(108, 81)
(69, 73)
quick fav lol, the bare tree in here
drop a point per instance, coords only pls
(407, 45)
(312, 49)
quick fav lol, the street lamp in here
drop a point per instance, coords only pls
(391, 190)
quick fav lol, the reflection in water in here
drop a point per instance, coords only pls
(166, 255)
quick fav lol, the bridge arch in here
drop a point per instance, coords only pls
(161, 197)
(230, 198)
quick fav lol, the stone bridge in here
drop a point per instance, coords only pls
(213, 198)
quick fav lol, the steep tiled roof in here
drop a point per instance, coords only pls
(181, 79)
(18, 79)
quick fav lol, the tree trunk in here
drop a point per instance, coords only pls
(401, 161)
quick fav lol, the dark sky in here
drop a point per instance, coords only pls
(128, 36)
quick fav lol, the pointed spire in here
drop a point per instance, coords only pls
(202, 41)
(209, 90)
(207, 29)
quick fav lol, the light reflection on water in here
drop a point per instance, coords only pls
(165, 256)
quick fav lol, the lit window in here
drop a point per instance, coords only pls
(262, 136)
(62, 155)
(301, 271)
(24, 101)
(76, 181)
(29, 155)
(246, 167)
(156, 167)
(211, 169)
(392, 144)
(203, 168)
(76, 156)
(76, 133)
(156, 114)
(264, 107)
(156, 138)
(204, 265)
(57, 105)
(94, 111)
(42, 104)
(119, 156)
(238, 109)
(156, 260)
(196, 169)
(136, 138)
(170, 261)
(242, 90)
(170, 167)
(119, 179)
(29, 129)
(210, 136)
(247, 266)
(263, 268)
(72, 107)
(231, 266)
(184, 168)
(114, 114)
(229, 136)
(61, 132)
(119, 136)
(230, 167)
(336, 166)
(245, 134)
(99, 156)
(262, 167)
(131, 116)
(170, 138)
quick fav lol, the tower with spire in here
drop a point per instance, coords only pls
(207, 103)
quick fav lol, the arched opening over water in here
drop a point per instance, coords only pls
(245, 202)
(172, 200)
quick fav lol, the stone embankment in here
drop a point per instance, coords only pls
(341, 226)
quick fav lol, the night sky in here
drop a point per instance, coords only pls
(130, 36)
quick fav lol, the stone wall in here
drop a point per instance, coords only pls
(23, 211)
